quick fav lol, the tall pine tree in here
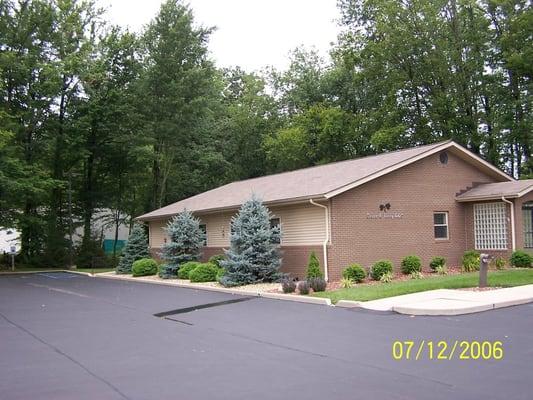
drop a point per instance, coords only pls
(254, 253)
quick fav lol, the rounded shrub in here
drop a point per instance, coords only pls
(437, 262)
(499, 263)
(318, 284)
(186, 268)
(288, 285)
(354, 272)
(411, 264)
(381, 268)
(204, 273)
(471, 261)
(144, 267)
(216, 259)
(303, 287)
(521, 259)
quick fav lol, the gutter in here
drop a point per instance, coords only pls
(325, 244)
(513, 239)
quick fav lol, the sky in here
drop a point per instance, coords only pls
(252, 34)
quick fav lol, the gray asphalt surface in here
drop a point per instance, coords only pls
(66, 336)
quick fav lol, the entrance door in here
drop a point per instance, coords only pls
(527, 215)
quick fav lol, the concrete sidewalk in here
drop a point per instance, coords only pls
(452, 302)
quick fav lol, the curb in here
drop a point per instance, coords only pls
(447, 311)
(348, 304)
(300, 299)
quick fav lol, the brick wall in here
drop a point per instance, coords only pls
(416, 191)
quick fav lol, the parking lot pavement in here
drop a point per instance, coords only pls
(65, 336)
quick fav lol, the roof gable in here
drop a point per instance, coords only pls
(323, 181)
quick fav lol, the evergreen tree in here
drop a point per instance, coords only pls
(253, 255)
(186, 239)
(135, 249)
(313, 267)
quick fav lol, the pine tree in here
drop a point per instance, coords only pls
(313, 267)
(186, 240)
(254, 253)
(135, 249)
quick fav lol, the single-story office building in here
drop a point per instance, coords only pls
(434, 200)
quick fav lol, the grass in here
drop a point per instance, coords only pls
(25, 268)
(364, 292)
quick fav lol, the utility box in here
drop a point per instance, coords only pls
(484, 260)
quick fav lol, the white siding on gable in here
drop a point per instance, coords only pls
(302, 224)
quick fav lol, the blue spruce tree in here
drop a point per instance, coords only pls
(254, 251)
(135, 249)
(185, 241)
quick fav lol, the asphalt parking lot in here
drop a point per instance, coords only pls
(66, 336)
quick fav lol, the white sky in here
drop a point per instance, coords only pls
(250, 33)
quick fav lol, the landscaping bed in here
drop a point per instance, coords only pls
(377, 290)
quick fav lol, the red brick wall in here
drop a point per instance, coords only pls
(416, 191)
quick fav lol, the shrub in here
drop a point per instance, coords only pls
(136, 249)
(521, 259)
(416, 275)
(313, 267)
(91, 254)
(355, 273)
(441, 270)
(303, 287)
(411, 264)
(204, 273)
(220, 274)
(386, 277)
(288, 285)
(437, 262)
(346, 283)
(499, 263)
(216, 259)
(185, 269)
(380, 268)
(254, 253)
(317, 284)
(144, 267)
(167, 271)
(470, 261)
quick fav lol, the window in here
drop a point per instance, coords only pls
(527, 215)
(440, 225)
(276, 222)
(490, 226)
(203, 228)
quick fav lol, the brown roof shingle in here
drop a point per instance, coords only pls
(490, 191)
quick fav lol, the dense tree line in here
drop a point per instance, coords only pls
(94, 117)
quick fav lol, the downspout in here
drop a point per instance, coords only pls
(325, 244)
(513, 239)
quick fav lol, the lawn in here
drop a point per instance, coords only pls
(364, 292)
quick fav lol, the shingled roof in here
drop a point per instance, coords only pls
(320, 182)
(492, 191)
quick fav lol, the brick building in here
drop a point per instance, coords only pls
(434, 200)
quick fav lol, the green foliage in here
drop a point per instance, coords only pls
(204, 273)
(380, 268)
(437, 262)
(89, 253)
(185, 239)
(471, 261)
(346, 283)
(186, 268)
(387, 277)
(253, 255)
(411, 264)
(416, 275)
(288, 285)
(136, 248)
(521, 259)
(303, 287)
(167, 271)
(144, 267)
(313, 267)
(317, 284)
(499, 263)
(354, 273)
(216, 259)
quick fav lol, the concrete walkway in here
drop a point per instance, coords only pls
(452, 302)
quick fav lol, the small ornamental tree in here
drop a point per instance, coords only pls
(254, 254)
(185, 240)
(136, 248)
(313, 267)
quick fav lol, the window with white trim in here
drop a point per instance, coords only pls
(273, 223)
(440, 225)
(490, 226)
(203, 228)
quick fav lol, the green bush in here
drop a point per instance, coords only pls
(499, 263)
(471, 261)
(355, 273)
(216, 259)
(185, 269)
(521, 259)
(313, 267)
(386, 277)
(437, 262)
(144, 267)
(411, 264)
(204, 273)
(380, 268)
